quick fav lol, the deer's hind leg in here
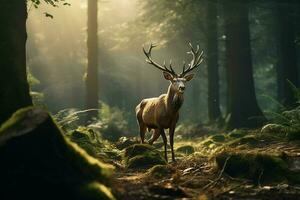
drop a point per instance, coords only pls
(154, 136)
(143, 129)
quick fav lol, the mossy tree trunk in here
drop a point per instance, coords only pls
(286, 67)
(214, 112)
(92, 54)
(242, 106)
(14, 88)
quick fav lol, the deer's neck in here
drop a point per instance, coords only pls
(174, 101)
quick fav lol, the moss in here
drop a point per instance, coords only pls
(186, 149)
(38, 162)
(237, 133)
(145, 161)
(160, 171)
(218, 138)
(254, 166)
(142, 156)
(137, 149)
(95, 190)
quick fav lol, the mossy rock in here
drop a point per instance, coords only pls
(160, 171)
(237, 133)
(186, 149)
(218, 138)
(142, 156)
(261, 168)
(38, 162)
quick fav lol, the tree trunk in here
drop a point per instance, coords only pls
(242, 106)
(214, 112)
(92, 66)
(14, 88)
(287, 69)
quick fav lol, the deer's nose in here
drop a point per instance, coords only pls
(181, 88)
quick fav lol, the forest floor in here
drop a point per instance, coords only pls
(196, 176)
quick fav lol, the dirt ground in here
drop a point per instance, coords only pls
(197, 177)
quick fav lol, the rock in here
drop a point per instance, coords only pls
(186, 149)
(142, 156)
(160, 171)
(258, 167)
(38, 162)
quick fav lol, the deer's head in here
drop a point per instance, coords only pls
(178, 81)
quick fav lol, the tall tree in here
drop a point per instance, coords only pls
(214, 112)
(242, 105)
(92, 54)
(287, 69)
(14, 88)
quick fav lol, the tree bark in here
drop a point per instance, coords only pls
(287, 69)
(242, 106)
(14, 88)
(214, 112)
(92, 66)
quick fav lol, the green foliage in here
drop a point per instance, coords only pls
(113, 122)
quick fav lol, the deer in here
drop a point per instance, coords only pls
(160, 113)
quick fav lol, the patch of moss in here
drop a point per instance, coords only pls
(160, 171)
(237, 133)
(218, 138)
(38, 162)
(254, 166)
(145, 161)
(186, 149)
(142, 156)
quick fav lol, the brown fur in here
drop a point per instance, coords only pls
(160, 113)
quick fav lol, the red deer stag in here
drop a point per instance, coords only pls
(162, 112)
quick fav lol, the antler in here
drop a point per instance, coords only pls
(155, 64)
(196, 61)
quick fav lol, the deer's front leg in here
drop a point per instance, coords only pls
(163, 135)
(171, 134)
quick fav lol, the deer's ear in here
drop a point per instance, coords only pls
(189, 77)
(168, 76)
